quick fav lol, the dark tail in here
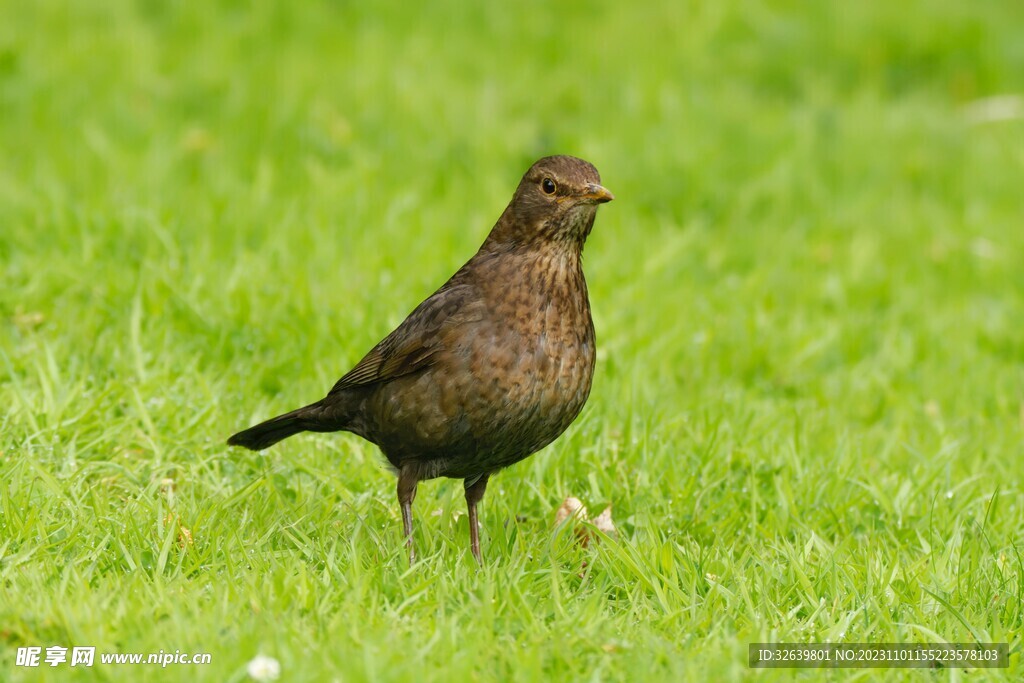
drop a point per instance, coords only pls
(266, 434)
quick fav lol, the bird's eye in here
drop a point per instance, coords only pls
(548, 185)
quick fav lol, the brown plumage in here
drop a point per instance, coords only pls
(493, 366)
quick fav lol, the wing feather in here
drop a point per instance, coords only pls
(417, 341)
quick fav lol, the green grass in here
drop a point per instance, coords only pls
(809, 295)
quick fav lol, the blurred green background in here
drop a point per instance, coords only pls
(809, 406)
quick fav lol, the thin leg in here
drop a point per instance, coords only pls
(474, 492)
(406, 494)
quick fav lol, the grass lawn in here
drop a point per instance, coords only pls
(808, 411)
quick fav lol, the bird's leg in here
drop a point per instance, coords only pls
(406, 494)
(474, 492)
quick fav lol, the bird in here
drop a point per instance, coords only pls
(490, 368)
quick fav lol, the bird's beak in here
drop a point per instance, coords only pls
(596, 194)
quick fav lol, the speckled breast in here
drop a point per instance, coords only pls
(511, 384)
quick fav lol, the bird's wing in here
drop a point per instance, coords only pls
(414, 343)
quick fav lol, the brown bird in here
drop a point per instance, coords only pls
(494, 366)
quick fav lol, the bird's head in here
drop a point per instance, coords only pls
(556, 201)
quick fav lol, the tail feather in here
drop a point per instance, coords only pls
(266, 434)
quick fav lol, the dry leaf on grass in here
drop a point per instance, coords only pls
(603, 522)
(184, 535)
(573, 507)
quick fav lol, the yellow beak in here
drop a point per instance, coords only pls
(597, 194)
